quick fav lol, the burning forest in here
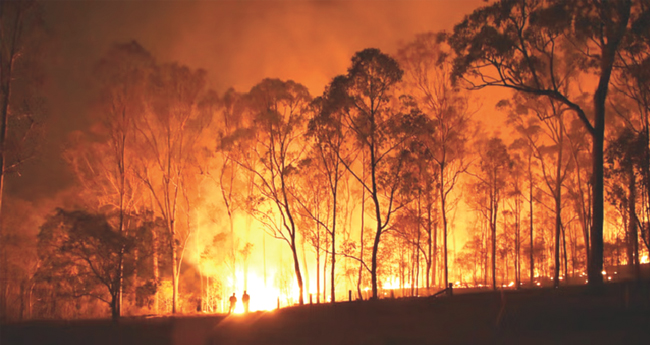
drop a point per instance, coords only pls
(163, 165)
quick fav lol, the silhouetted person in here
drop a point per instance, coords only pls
(233, 302)
(246, 299)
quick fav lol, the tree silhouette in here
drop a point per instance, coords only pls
(541, 122)
(489, 190)
(169, 133)
(273, 144)
(104, 162)
(329, 150)
(85, 251)
(380, 130)
(428, 66)
(625, 160)
(532, 47)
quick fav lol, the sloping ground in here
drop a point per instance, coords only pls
(546, 316)
(188, 330)
(617, 314)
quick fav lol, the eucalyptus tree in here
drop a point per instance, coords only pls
(230, 178)
(523, 148)
(380, 126)
(427, 62)
(489, 189)
(103, 160)
(632, 86)
(328, 153)
(169, 135)
(625, 162)
(531, 46)
(541, 122)
(271, 147)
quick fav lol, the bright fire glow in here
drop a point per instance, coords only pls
(262, 298)
(644, 259)
(392, 284)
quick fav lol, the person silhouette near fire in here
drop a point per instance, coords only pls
(233, 302)
(246, 299)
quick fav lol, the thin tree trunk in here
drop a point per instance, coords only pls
(332, 270)
(558, 206)
(532, 240)
(325, 278)
(296, 267)
(318, 264)
(494, 206)
(566, 268)
(633, 241)
(363, 213)
(443, 212)
(434, 260)
(429, 246)
(172, 247)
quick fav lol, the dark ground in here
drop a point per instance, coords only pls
(616, 314)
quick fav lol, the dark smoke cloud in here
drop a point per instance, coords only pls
(238, 42)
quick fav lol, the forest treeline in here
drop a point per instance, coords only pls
(373, 175)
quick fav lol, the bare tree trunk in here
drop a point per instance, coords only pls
(566, 268)
(633, 241)
(332, 271)
(434, 260)
(558, 204)
(172, 247)
(417, 248)
(429, 246)
(375, 249)
(375, 199)
(296, 268)
(493, 230)
(156, 272)
(363, 216)
(443, 212)
(318, 266)
(518, 239)
(325, 279)
(532, 239)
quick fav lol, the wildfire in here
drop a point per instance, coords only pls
(392, 284)
(644, 259)
(263, 297)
